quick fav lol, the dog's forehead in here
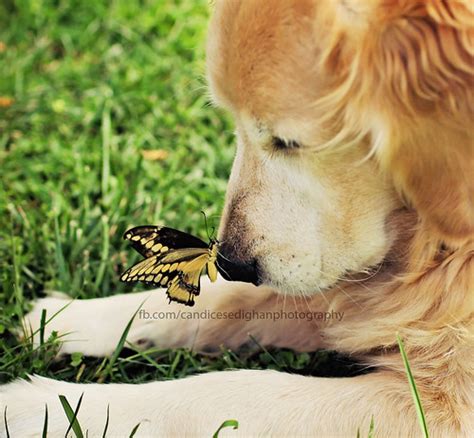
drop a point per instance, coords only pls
(261, 57)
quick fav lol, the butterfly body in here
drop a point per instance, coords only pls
(173, 259)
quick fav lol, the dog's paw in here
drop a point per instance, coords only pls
(92, 327)
(95, 326)
(71, 322)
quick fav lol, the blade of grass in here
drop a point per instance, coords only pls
(6, 422)
(134, 431)
(104, 433)
(371, 428)
(62, 267)
(413, 389)
(44, 434)
(80, 372)
(42, 325)
(228, 423)
(72, 416)
(17, 286)
(104, 259)
(274, 360)
(101, 366)
(106, 132)
(174, 364)
(145, 355)
(119, 347)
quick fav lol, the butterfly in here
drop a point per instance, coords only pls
(173, 259)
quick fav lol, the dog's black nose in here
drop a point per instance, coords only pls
(234, 270)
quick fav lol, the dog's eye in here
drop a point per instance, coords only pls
(281, 144)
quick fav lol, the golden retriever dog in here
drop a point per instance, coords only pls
(351, 192)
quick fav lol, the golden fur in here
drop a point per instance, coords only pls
(401, 74)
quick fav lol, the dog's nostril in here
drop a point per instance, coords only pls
(246, 272)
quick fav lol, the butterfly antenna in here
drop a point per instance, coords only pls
(205, 223)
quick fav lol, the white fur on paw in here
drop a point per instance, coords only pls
(94, 326)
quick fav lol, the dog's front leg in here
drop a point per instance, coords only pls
(225, 314)
(265, 403)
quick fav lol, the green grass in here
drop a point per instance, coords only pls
(93, 85)
(413, 389)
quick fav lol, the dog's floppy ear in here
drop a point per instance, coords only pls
(432, 165)
(416, 62)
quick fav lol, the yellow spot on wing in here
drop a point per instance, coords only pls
(156, 247)
(142, 270)
(165, 268)
(164, 280)
(143, 266)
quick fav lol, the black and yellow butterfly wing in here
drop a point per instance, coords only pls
(178, 269)
(151, 240)
(187, 284)
(161, 268)
(181, 291)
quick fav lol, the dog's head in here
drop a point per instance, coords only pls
(341, 109)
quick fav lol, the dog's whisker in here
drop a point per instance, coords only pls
(222, 269)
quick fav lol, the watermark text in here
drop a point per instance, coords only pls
(245, 315)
